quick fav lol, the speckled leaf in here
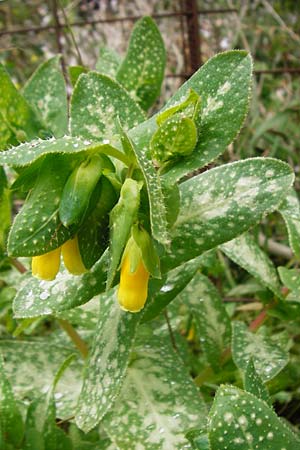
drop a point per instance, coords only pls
(96, 102)
(245, 252)
(142, 70)
(269, 357)
(290, 211)
(291, 279)
(176, 137)
(16, 113)
(253, 383)
(31, 367)
(46, 92)
(108, 62)
(85, 316)
(239, 420)
(175, 282)
(11, 422)
(37, 297)
(107, 363)
(160, 399)
(210, 316)
(223, 84)
(25, 154)
(37, 229)
(122, 217)
(224, 202)
(158, 213)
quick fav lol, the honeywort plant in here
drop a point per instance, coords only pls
(120, 219)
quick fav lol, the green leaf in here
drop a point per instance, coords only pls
(142, 70)
(16, 113)
(11, 422)
(269, 357)
(176, 281)
(25, 154)
(96, 102)
(37, 229)
(108, 62)
(223, 84)
(291, 279)
(238, 420)
(160, 399)
(245, 252)
(176, 137)
(222, 203)
(198, 439)
(148, 251)
(75, 72)
(210, 316)
(107, 363)
(253, 384)
(158, 213)
(5, 209)
(46, 92)
(31, 367)
(37, 297)
(122, 217)
(93, 235)
(290, 211)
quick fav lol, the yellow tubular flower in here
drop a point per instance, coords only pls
(133, 288)
(46, 266)
(72, 258)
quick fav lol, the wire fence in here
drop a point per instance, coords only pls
(189, 17)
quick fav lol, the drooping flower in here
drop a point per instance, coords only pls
(72, 258)
(133, 287)
(46, 266)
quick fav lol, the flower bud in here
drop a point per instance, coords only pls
(46, 266)
(133, 288)
(72, 258)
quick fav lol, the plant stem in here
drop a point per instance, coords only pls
(74, 336)
(18, 265)
(170, 331)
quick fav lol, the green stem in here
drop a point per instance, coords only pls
(74, 336)
(111, 151)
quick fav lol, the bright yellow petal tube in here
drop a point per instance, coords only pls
(46, 266)
(133, 288)
(72, 258)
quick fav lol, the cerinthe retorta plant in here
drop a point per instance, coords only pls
(117, 226)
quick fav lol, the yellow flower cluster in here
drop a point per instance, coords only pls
(47, 266)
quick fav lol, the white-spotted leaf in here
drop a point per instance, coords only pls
(108, 360)
(46, 92)
(142, 70)
(240, 421)
(224, 202)
(31, 367)
(212, 321)
(37, 228)
(108, 62)
(268, 355)
(290, 211)
(223, 84)
(38, 297)
(253, 383)
(96, 103)
(160, 399)
(245, 252)
(21, 122)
